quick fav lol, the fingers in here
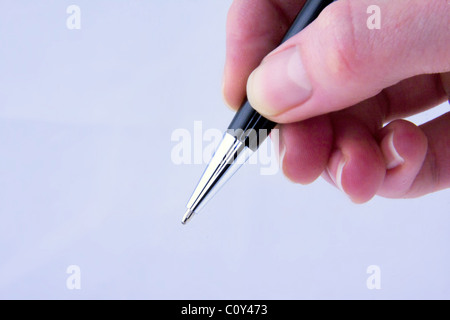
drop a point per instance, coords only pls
(434, 175)
(356, 165)
(404, 146)
(401, 160)
(307, 147)
(355, 132)
(254, 28)
(340, 147)
(418, 158)
(338, 61)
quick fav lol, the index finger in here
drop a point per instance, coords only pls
(254, 28)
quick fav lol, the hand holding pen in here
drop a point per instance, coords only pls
(340, 90)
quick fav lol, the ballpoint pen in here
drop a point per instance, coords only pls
(246, 132)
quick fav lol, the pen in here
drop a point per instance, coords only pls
(246, 132)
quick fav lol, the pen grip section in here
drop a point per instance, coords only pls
(249, 127)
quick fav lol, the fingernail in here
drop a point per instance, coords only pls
(392, 157)
(336, 167)
(279, 84)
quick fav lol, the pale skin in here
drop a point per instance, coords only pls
(341, 90)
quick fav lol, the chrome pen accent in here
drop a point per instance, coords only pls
(228, 158)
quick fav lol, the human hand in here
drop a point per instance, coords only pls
(336, 85)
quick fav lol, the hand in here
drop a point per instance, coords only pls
(336, 85)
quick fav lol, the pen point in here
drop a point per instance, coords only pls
(187, 216)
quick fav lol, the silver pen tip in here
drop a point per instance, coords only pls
(187, 216)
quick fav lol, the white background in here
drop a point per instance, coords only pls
(86, 176)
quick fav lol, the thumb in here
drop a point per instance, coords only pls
(341, 59)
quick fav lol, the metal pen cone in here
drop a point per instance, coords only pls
(228, 158)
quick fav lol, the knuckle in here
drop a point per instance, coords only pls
(344, 52)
